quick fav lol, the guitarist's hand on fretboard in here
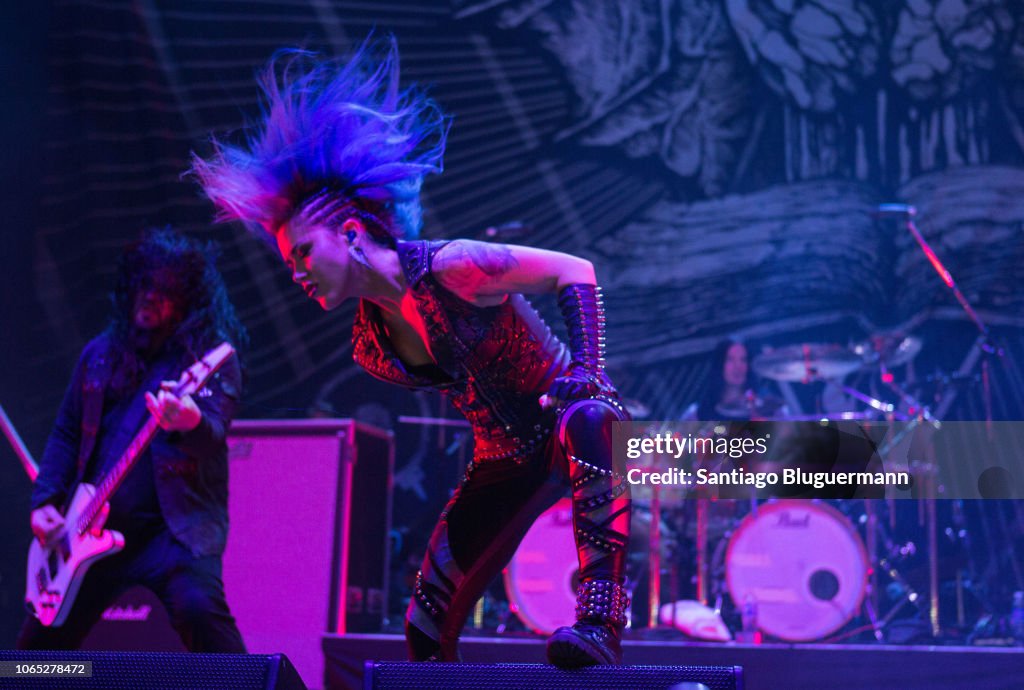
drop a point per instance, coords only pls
(47, 524)
(171, 412)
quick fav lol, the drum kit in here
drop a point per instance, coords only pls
(809, 567)
(804, 563)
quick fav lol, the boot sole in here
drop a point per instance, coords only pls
(577, 652)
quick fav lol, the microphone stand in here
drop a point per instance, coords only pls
(984, 342)
(985, 345)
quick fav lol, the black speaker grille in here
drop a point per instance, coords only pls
(152, 671)
(428, 676)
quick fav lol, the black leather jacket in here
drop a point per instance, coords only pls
(190, 469)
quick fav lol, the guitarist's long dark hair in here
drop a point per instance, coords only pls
(187, 268)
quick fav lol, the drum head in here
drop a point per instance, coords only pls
(541, 578)
(802, 564)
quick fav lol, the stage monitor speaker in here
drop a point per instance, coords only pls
(135, 622)
(310, 508)
(150, 671)
(395, 675)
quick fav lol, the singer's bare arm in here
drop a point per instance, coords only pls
(484, 274)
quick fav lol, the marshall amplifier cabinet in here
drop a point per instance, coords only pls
(310, 509)
(136, 621)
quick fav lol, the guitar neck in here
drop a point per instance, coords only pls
(106, 488)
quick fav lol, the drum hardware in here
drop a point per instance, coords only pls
(909, 595)
(816, 362)
(651, 493)
(541, 577)
(887, 409)
(807, 362)
(933, 546)
(702, 548)
(871, 519)
(889, 349)
(823, 362)
(656, 547)
(929, 489)
(874, 534)
(960, 536)
(654, 573)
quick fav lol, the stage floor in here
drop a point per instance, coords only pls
(765, 666)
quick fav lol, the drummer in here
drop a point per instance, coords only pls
(730, 396)
(730, 393)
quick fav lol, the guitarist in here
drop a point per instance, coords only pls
(169, 306)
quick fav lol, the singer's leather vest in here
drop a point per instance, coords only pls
(494, 362)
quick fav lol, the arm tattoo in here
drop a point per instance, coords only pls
(467, 267)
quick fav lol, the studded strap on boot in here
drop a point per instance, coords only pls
(596, 638)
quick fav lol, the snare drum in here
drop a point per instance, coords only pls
(803, 565)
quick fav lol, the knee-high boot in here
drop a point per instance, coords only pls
(601, 512)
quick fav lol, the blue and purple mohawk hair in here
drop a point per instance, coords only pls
(337, 128)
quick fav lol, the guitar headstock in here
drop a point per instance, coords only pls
(197, 375)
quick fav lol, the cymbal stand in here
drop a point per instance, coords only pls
(654, 543)
(702, 548)
(871, 603)
(933, 546)
(876, 537)
(654, 569)
(909, 594)
(926, 509)
(921, 414)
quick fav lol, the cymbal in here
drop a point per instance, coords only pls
(890, 349)
(807, 362)
(855, 415)
(635, 408)
(751, 407)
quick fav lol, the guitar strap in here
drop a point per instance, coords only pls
(96, 380)
(97, 374)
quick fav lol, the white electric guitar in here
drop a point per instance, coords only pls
(56, 571)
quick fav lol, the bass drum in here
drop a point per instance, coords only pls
(541, 578)
(802, 564)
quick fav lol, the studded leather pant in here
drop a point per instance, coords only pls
(493, 508)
